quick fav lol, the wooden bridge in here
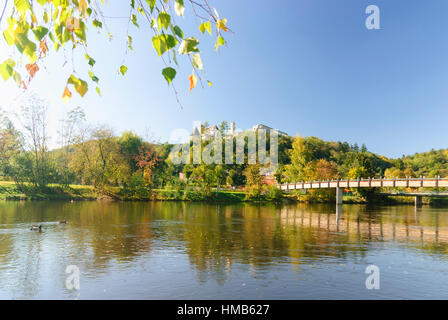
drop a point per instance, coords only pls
(339, 185)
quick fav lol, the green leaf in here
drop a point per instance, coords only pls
(169, 74)
(97, 24)
(24, 45)
(90, 60)
(80, 85)
(179, 7)
(98, 91)
(130, 43)
(93, 77)
(7, 69)
(188, 46)
(178, 32)
(163, 42)
(174, 57)
(81, 31)
(17, 78)
(163, 20)
(152, 4)
(197, 62)
(40, 32)
(219, 42)
(123, 69)
(134, 20)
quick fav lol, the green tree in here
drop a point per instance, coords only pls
(254, 180)
(130, 147)
(220, 174)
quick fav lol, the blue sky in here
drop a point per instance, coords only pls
(308, 66)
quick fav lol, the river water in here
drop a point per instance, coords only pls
(173, 250)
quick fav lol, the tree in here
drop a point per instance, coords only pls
(223, 127)
(325, 170)
(220, 174)
(67, 133)
(37, 28)
(204, 175)
(130, 147)
(358, 172)
(146, 161)
(34, 117)
(254, 180)
(98, 161)
(11, 146)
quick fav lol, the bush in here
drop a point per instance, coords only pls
(194, 194)
(253, 193)
(273, 193)
(136, 188)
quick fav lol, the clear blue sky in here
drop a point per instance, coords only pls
(307, 66)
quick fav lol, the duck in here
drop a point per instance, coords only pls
(62, 221)
(36, 228)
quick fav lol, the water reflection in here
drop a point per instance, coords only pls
(125, 241)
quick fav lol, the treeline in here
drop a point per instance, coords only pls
(128, 167)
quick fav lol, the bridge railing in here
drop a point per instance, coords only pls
(408, 182)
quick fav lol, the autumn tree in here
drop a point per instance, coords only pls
(146, 162)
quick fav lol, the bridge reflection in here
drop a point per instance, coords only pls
(348, 220)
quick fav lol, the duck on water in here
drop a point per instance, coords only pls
(36, 228)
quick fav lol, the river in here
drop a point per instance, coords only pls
(178, 250)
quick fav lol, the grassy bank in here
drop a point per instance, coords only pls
(10, 191)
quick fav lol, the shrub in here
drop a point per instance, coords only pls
(273, 193)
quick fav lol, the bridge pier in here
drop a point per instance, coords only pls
(338, 196)
(418, 201)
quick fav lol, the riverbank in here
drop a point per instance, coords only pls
(10, 192)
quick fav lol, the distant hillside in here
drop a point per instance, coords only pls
(428, 164)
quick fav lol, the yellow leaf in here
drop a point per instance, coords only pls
(221, 24)
(67, 95)
(82, 7)
(193, 81)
